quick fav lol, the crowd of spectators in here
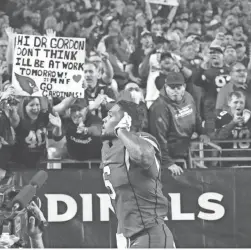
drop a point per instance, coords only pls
(186, 66)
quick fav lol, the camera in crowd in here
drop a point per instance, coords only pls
(14, 212)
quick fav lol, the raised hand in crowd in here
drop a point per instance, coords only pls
(81, 128)
(176, 170)
(35, 230)
(104, 56)
(101, 99)
(205, 139)
(50, 33)
(10, 32)
(9, 92)
(238, 119)
(55, 120)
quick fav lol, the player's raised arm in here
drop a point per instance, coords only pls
(123, 122)
(140, 151)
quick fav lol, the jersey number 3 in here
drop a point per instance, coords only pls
(108, 184)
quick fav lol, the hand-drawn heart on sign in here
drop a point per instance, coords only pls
(77, 78)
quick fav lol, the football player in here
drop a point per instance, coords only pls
(131, 171)
(234, 123)
(212, 79)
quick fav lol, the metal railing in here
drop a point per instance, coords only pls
(215, 153)
(199, 155)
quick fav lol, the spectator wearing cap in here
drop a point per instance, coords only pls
(150, 68)
(173, 119)
(82, 131)
(230, 56)
(168, 63)
(211, 79)
(136, 58)
(238, 82)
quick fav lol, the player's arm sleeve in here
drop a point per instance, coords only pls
(159, 128)
(140, 151)
(223, 128)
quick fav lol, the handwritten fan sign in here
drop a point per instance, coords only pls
(164, 2)
(48, 66)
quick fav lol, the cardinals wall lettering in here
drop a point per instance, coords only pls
(48, 66)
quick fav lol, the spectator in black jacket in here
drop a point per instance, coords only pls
(173, 119)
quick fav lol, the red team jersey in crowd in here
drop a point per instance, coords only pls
(135, 190)
(238, 133)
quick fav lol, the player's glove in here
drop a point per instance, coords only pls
(121, 241)
(125, 123)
